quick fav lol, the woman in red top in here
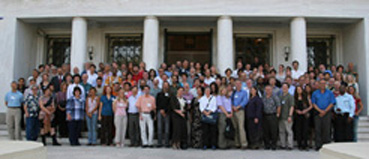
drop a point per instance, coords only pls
(358, 109)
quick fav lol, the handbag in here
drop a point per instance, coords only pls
(211, 118)
(229, 132)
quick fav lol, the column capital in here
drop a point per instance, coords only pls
(151, 17)
(225, 17)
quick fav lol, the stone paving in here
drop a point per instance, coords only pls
(84, 152)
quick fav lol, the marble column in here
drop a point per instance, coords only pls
(298, 42)
(151, 42)
(225, 55)
(79, 43)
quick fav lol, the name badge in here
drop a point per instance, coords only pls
(283, 102)
(149, 105)
(236, 96)
(166, 94)
(188, 101)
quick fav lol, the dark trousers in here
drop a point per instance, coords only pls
(209, 134)
(301, 130)
(62, 126)
(32, 128)
(270, 130)
(254, 131)
(179, 129)
(163, 123)
(343, 128)
(74, 128)
(134, 129)
(106, 130)
(322, 129)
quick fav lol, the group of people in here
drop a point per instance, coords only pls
(188, 104)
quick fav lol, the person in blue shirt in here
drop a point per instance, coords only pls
(239, 100)
(323, 100)
(345, 111)
(13, 101)
(75, 111)
(106, 116)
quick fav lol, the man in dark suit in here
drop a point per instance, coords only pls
(57, 80)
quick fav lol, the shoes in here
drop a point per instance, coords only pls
(144, 146)
(213, 147)
(205, 147)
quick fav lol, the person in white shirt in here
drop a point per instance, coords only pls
(296, 73)
(92, 75)
(208, 79)
(76, 83)
(208, 106)
(239, 67)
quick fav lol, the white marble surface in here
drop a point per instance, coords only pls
(345, 151)
(22, 150)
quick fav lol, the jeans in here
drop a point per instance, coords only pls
(92, 128)
(355, 125)
(32, 128)
(163, 122)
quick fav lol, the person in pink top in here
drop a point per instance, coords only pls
(146, 105)
(120, 117)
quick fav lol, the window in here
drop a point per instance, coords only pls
(321, 50)
(58, 50)
(250, 46)
(190, 46)
(125, 48)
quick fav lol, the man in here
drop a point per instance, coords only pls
(270, 121)
(155, 89)
(285, 112)
(163, 107)
(13, 102)
(86, 86)
(345, 111)
(58, 79)
(99, 87)
(295, 72)
(36, 76)
(146, 104)
(272, 83)
(292, 88)
(323, 100)
(208, 79)
(239, 100)
(133, 118)
(92, 75)
(76, 83)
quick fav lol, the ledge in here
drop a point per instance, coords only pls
(22, 150)
(345, 151)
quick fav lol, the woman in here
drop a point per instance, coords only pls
(178, 104)
(32, 109)
(301, 123)
(152, 74)
(281, 74)
(75, 112)
(92, 104)
(254, 115)
(106, 116)
(309, 91)
(68, 79)
(47, 117)
(61, 102)
(120, 118)
(358, 109)
(45, 81)
(208, 108)
(224, 104)
(196, 132)
(352, 82)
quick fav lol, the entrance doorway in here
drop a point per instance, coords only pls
(194, 47)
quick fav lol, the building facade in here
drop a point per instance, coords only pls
(34, 32)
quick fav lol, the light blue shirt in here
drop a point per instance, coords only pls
(240, 98)
(132, 103)
(346, 103)
(14, 99)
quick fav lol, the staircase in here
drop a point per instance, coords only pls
(363, 129)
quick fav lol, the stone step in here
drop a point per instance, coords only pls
(363, 124)
(364, 130)
(364, 118)
(363, 136)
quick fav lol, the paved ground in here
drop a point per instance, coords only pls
(84, 152)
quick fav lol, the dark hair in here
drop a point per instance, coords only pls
(295, 62)
(273, 70)
(215, 92)
(304, 96)
(285, 83)
(93, 65)
(256, 88)
(75, 90)
(77, 75)
(228, 69)
(99, 78)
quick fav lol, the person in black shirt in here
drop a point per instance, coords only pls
(162, 102)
